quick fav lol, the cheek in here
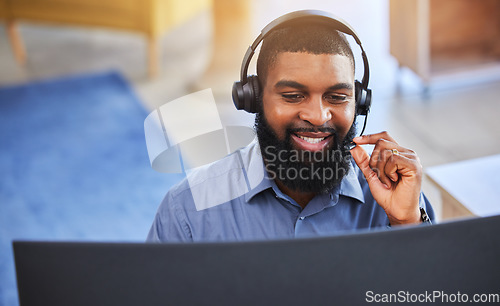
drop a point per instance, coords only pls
(345, 119)
(350, 112)
(278, 117)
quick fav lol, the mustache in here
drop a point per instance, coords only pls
(313, 130)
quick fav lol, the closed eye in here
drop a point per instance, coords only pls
(336, 98)
(293, 98)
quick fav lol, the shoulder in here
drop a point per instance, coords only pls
(220, 181)
(190, 207)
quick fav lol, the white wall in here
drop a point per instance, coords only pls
(369, 18)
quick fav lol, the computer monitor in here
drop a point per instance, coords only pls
(455, 260)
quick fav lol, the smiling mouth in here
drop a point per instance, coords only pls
(312, 140)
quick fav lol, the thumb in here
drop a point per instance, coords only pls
(362, 159)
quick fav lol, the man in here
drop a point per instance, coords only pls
(298, 179)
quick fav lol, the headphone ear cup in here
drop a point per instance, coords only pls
(247, 96)
(256, 97)
(238, 95)
(363, 99)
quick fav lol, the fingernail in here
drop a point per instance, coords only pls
(350, 146)
(357, 138)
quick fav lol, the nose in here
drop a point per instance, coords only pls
(315, 112)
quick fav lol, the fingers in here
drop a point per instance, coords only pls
(388, 159)
(373, 138)
(401, 164)
(381, 155)
(379, 163)
(362, 159)
(384, 164)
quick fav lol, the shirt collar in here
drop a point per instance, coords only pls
(265, 183)
(350, 185)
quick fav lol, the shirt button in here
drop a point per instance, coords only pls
(302, 218)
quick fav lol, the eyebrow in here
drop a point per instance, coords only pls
(341, 86)
(297, 85)
(287, 83)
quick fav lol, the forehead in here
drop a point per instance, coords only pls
(307, 67)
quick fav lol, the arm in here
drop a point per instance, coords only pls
(170, 223)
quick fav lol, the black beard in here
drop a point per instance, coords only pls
(299, 170)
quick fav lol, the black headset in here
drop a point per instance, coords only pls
(246, 92)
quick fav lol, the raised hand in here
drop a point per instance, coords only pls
(394, 175)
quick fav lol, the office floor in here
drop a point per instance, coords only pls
(453, 124)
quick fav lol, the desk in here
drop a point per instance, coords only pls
(468, 188)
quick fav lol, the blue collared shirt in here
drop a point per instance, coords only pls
(234, 200)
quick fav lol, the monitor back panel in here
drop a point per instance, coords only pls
(460, 257)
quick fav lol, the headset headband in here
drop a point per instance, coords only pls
(299, 16)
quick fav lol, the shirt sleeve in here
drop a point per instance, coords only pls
(426, 205)
(169, 224)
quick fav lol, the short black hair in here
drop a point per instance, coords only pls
(311, 37)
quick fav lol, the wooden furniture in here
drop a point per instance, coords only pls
(3, 8)
(150, 17)
(446, 39)
(468, 188)
(232, 36)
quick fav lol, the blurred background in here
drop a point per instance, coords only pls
(78, 78)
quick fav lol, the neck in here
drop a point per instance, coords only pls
(302, 198)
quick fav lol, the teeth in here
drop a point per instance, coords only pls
(312, 140)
